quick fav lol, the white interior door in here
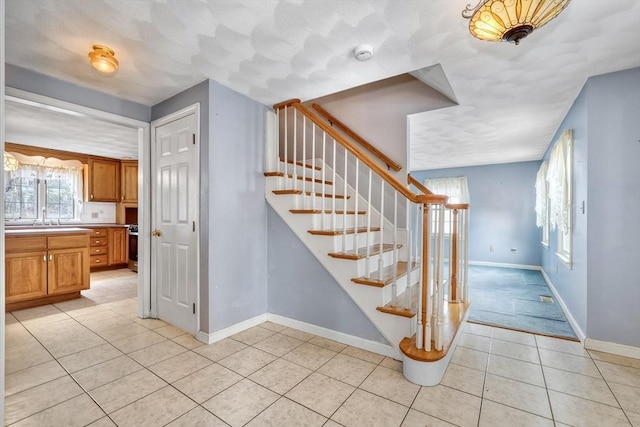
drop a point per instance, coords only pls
(175, 210)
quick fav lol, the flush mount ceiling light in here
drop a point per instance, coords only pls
(363, 52)
(10, 162)
(102, 58)
(510, 20)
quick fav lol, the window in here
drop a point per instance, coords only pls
(560, 197)
(542, 202)
(42, 192)
(457, 190)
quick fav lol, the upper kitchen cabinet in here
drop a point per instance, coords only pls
(103, 180)
(129, 181)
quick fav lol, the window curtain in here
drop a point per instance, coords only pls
(558, 180)
(456, 188)
(541, 195)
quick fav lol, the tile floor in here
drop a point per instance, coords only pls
(92, 362)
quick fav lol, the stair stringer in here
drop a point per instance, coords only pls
(367, 298)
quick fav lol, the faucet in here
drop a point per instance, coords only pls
(44, 216)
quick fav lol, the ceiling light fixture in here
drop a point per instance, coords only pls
(10, 162)
(363, 52)
(102, 58)
(510, 20)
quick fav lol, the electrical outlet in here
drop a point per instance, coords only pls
(514, 250)
(492, 248)
(94, 215)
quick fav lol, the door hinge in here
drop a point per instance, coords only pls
(194, 308)
(194, 226)
(194, 138)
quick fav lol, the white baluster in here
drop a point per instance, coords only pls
(440, 323)
(380, 260)
(304, 162)
(313, 168)
(410, 231)
(465, 291)
(324, 189)
(295, 149)
(367, 267)
(286, 147)
(278, 140)
(355, 217)
(333, 190)
(394, 287)
(344, 204)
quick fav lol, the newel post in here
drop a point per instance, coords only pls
(453, 261)
(425, 288)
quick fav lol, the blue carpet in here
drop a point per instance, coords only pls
(510, 298)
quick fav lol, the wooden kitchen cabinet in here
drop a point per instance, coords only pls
(67, 270)
(103, 176)
(108, 247)
(117, 245)
(129, 180)
(25, 275)
(99, 247)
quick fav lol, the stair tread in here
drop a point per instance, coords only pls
(308, 193)
(300, 163)
(300, 177)
(362, 252)
(388, 274)
(397, 310)
(327, 211)
(341, 231)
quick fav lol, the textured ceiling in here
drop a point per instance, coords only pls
(512, 98)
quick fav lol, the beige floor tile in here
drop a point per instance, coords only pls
(569, 362)
(628, 397)
(157, 353)
(418, 419)
(280, 376)
(348, 369)
(299, 335)
(390, 363)
(156, 409)
(93, 356)
(252, 335)
(517, 394)
(238, 404)
(564, 346)
(103, 422)
(321, 393)
(93, 319)
(326, 343)
(66, 337)
(365, 355)
(515, 351)
(103, 324)
(614, 358)
(278, 344)
(366, 409)
(476, 342)
(450, 405)
(494, 415)
(477, 329)
(310, 356)
(284, 412)
(206, 383)
(122, 331)
(634, 418)
(169, 331)
(331, 423)
(151, 323)
(137, 342)
(179, 366)
(126, 390)
(78, 411)
(575, 411)
(187, 341)
(470, 358)
(391, 385)
(464, 379)
(247, 361)
(516, 370)
(514, 336)
(198, 417)
(45, 313)
(29, 402)
(31, 377)
(619, 374)
(579, 385)
(272, 326)
(221, 349)
(106, 372)
(24, 353)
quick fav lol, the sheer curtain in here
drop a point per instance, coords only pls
(456, 188)
(558, 180)
(541, 195)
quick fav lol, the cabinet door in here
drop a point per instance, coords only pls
(25, 275)
(104, 180)
(68, 270)
(117, 245)
(130, 181)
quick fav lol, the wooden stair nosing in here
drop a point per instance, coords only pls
(307, 178)
(341, 232)
(388, 274)
(308, 193)
(361, 252)
(300, 163)
(326, 211)
(397, 311)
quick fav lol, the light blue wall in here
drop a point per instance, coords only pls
(501, 212)
(301, 288)
(30, 81)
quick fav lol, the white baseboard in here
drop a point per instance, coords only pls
(505, 265)
(565, 309)
(231, 330)
(365, 344)
(613, 348)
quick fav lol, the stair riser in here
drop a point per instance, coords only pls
(290, 183)
(361, 264)
(350, 239)
(401, 286)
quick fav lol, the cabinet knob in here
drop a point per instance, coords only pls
(97, 261)
(92, 196)
(97, 241)
(50, 257)
(44, 258)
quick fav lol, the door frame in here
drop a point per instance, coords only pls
(153, 290)
(144, 189)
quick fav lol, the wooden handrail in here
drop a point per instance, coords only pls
(353, 135)
(287, 103)
(418, 184)
(458, 206)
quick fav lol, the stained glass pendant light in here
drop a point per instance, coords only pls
(510, 20)
(10, 162)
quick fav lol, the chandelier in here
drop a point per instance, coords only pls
(510, 20)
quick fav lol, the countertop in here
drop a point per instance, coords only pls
(45, 230)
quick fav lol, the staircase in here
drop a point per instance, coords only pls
(382, 242)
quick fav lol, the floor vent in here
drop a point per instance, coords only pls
(546, 298)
